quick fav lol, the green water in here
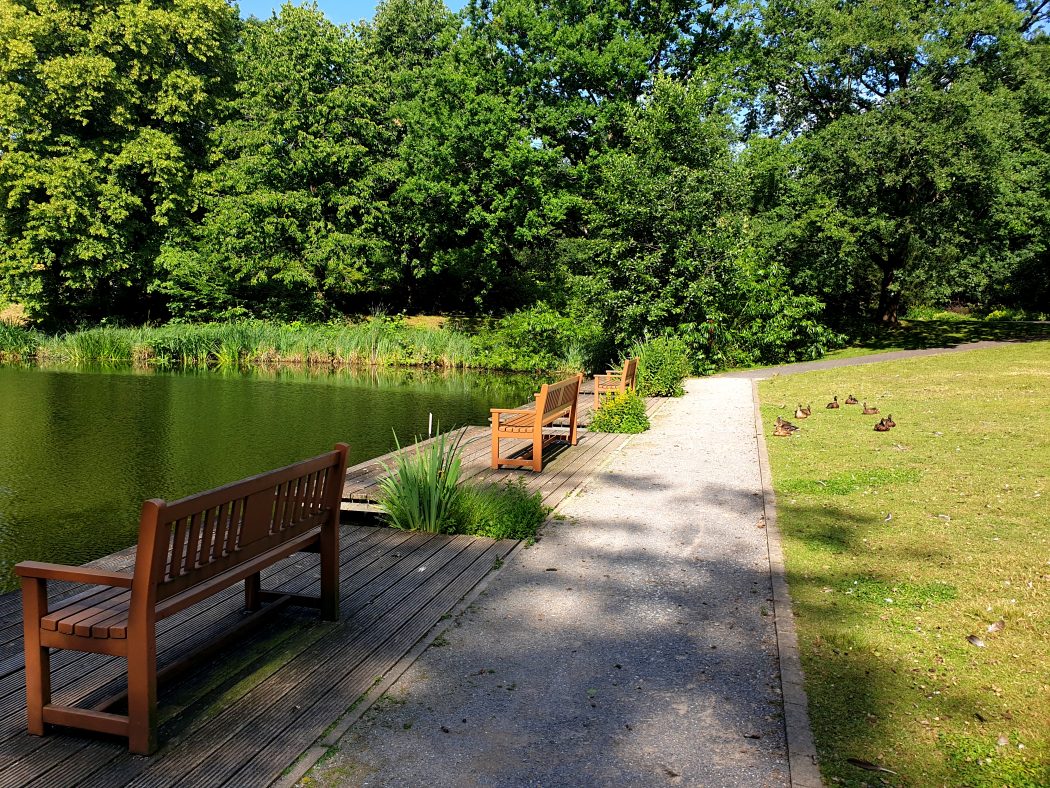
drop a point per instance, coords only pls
(80, 449)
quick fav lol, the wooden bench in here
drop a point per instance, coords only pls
(187, 550)
(554, 401)
(615, 381)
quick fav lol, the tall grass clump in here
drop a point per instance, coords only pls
(420, 493)
(105, 344)
(16, 342)
(500, 511)
(663, 363)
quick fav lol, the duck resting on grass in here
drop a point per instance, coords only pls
(801, 413)
(869, 411)
(784, 426)
(808, 410)
(889, 420)
(851, 400)
(882, 426)
(834, 403)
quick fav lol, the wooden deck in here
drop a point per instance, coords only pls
(244, 716)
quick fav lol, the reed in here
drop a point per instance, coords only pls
(17, 343)
(420, 493)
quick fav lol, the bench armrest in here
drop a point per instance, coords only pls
(516, 411)
(73, 574)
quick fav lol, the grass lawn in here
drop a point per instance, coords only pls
(902, 545)
(921, 334)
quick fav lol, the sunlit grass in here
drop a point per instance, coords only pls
(899, 545)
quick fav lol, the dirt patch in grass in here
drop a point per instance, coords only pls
(919, 565)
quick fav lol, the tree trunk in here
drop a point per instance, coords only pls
(889, 299)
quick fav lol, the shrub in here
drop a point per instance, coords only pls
(538, 338)
(499, 511)
(421, 492)
(621, 412)
(663, 363)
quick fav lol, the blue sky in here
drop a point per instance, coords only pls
(338, 11)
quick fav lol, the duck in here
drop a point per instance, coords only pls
(834, 403)
(782, 431)
(808, 410)
(851, 400)
(869, 411)
(882, 426)
(889, 420)
(785, 425)
(800, 412)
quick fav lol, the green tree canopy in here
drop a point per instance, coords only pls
(104, 109)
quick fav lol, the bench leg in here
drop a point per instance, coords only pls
(330, 570)
(37, 657)
(495, 451)
(142, 694)
(537, 453)
(252, 588)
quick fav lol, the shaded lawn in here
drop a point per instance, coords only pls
(922, 334)
(899, 545)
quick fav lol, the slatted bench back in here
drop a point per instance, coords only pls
(630, 371)
(198, 539)
(557, 397)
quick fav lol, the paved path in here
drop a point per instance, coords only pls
(634, 644)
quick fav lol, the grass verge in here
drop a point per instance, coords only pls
(919, 565)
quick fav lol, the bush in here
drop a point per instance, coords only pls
(663, 364)
(621, 412)
(499, 511)
(538, 338)
(421, 492)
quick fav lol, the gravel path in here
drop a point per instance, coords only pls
(632, 645)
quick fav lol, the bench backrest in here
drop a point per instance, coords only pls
(200, 538)
(630, 371)
(555, 397)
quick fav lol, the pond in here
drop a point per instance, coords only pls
(81, 448)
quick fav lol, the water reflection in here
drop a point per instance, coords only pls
(81, 448)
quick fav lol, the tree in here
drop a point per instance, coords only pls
(104, 111)
(280, 209)
(904, 143)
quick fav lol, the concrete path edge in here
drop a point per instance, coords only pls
(802, 752)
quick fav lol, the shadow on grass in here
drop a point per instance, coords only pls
(926, 334)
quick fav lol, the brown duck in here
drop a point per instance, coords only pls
(889, 420)
(869, 411)
(801, 413)
(781, 431)
(851, 400)
(785, 425)
(882, 426)
(834, 402)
